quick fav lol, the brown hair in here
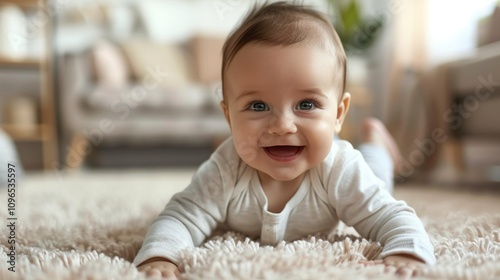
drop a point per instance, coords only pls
(284, 24)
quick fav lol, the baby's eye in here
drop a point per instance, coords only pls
(306, 105)
(258, 106)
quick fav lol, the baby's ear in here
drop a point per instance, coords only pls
(223, 105)
(342, 109)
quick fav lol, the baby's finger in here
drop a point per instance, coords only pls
(152, 272)
(390, 269)
(405, 272)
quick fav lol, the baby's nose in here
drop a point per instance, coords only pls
(282, 124)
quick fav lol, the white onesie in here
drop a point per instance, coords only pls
(227, 192)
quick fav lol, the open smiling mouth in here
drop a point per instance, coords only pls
(284, 153)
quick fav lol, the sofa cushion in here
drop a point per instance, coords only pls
(168, 62)
(136, 97)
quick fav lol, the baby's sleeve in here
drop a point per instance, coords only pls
(190, 216)
(360, 200)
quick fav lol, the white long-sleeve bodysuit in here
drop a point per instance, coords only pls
(227, 192)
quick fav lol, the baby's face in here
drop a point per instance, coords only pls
(283, 106)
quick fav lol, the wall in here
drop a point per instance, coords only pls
(215, 17)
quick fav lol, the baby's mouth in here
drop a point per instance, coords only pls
(284, 153)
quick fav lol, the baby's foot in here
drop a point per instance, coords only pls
(375, 132)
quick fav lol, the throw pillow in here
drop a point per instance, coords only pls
(110, 65)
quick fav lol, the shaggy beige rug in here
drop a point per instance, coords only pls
(90, 226)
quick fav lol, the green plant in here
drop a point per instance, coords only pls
(356, 33)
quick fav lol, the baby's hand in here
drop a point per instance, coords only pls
(160, 267)
(403, 265)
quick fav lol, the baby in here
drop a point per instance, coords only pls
(282, 175)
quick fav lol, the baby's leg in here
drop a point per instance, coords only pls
(380, 151)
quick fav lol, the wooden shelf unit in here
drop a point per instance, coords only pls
(45, 131)
(24, 4)
(24, 132)
(22, 63)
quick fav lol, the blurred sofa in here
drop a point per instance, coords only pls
(142, 93)
(452, 113)
(474, 84)
(462, 100)
(473, 87)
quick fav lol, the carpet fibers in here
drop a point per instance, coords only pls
(91, 225)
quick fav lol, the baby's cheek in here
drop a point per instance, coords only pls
(246, 147)
(322, 138)
(322, 129)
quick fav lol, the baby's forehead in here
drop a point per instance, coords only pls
(329, 51)
(302, 66)
(254, 51)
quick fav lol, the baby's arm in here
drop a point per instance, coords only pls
(189, 217)
(392, 223)
(361, 201)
